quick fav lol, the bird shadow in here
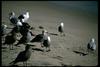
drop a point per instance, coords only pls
(41, 27)
(31, 45)
(14, 66)
(58, 57)
(65, 65)
(37, 49)
(81, 53)
(32, 28)
(53, 34)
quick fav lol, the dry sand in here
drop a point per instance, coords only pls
(79, 27)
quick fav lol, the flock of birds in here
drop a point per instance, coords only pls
(22, 26)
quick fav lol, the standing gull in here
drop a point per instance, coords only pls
(3, 31)
(40, 37)
(61, 28)
(46, 43)
(23, 56)
(91, 45)
(10, 39)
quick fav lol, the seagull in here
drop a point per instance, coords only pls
(26, 37)
(46, 43)
(61, 28)
(23, 56)
(15, 29)
(14, 20)
(40, 37)
(24, 28)
(91, 45)
(24, 17)
(10, 39)
(17, 24)
(3, 31)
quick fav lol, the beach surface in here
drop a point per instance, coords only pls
(79, 27)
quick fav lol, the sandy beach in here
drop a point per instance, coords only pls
(79, 26)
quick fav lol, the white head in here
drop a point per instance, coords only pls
(27, 12)
(44, 31)
(93, 40)
(5, 26)
(26, 16)
(62, 24)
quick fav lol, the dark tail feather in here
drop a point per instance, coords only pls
(17, 44)
(12, 63)
(33, 40)
(36, 39)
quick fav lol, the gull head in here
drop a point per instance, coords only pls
(62, 24)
